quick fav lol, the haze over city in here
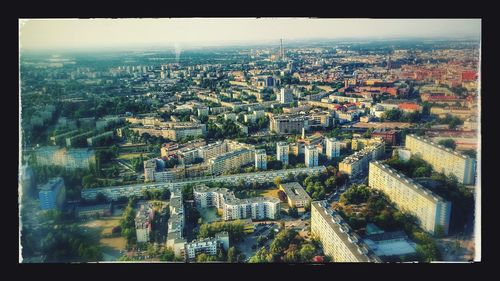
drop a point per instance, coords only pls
(293, 141)
(42, 34)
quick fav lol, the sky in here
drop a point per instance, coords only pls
(95, 33)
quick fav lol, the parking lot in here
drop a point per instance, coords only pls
(249, 245)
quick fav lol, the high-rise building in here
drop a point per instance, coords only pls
(332, 148)
(282, 151)
(261, 159)
(443, 159)
(337, 238)
(311, 156)
(432, 211)
(52, 194)
(285, 96)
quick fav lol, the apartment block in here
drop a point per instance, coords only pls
(311, 155)
(338, 240)
(356, 165)
(234, 208)
(52, 194)
(332, 148)
(282, 151)
(443, 159)
(261, 159)
(431, 209)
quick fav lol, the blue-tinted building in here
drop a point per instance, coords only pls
(52, 194)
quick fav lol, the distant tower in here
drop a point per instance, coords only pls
(282, 51)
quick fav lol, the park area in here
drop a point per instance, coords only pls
(111, 245)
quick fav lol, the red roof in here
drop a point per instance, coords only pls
(410, 106)
(469, 76)
(318, 259)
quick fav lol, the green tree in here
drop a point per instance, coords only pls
(307, 252)
(449, 143)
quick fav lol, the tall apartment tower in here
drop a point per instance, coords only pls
(282, 151)
(311, 156)
(260, 159)
(285, 95)
(332, 148)
(443, 159)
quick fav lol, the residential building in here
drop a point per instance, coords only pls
(285, 124)
(143, 222)
(356, 165)
(69, 158)
(443, 159)
(209, 246)
(52, 194)
(296, 195)
(432, 211)
(234, 208)
(261, 159)
(332, 148)
(114, 193)
(282, 151)
(285, 96)
(311, 156)
(337, 238)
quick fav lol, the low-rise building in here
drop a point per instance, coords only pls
(296, 195)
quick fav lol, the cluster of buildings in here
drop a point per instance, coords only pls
(256, 208)
(216, 158)
(356, 165)
(69, 158)
(173, 130)
(115, 193)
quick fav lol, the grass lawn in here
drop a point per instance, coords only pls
(128, 156)
(103, 226)
(270, 192)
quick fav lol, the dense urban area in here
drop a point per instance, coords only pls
(296, 152)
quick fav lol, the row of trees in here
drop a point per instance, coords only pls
(127, 223)
(400, 116)
(234, 229)
(415, 167)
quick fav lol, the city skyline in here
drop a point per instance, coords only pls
(46, 34)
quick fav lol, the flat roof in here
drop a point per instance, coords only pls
(342, 229)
